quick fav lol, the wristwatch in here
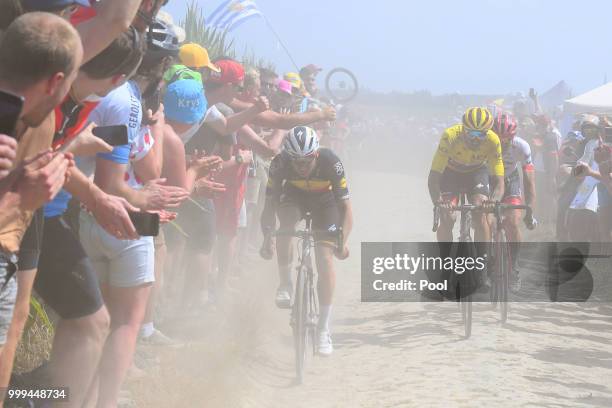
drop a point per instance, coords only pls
(239, 158)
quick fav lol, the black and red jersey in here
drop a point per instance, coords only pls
(70, 120)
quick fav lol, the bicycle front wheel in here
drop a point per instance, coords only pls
(300, 327)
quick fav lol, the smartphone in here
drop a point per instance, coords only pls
(113, 135)
(147, 224)
(10, 110)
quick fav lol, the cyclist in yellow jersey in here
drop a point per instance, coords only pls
(467, 155)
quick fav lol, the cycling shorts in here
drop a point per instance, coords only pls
(454, 183)
(513, 193)
(322, 207)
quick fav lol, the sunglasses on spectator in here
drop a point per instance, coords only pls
(238, 88)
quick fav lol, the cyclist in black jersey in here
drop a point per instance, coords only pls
(306, 178)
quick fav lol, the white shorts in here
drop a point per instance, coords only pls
(119, 263)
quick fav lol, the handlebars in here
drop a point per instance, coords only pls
(497, 210)
(336, 236)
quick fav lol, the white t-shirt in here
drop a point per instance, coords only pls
(586, 197)
(212, 115)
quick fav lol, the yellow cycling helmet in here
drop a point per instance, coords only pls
(478, 119)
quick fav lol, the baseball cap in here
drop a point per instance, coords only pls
(310, 69)
(284, 86)
(46, 5)
(231, 72)
(185, 102)
(294, 79)
(195, 56)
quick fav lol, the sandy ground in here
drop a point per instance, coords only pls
(386, 355)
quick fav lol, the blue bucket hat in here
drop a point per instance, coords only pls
(185, 102)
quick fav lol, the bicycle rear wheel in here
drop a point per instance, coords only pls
(300, 326)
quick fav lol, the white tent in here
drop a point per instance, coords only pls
(599, 100)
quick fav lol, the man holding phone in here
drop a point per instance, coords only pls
(40, 54)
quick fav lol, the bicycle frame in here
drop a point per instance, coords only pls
(305, 308)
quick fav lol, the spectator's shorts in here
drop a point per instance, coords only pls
(66, 279)
(119, 263)
(197, 221)
(8, 294)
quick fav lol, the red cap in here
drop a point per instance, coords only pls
(310, 69)
(231, 72)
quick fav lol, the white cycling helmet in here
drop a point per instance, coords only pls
(301, 141)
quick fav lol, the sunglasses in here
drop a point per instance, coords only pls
(238, 88)
(304, 161)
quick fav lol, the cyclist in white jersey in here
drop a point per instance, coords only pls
(516, 153)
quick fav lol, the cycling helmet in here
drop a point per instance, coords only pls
(301, 142)
(505, 126)
(478, 119)
(162, 38)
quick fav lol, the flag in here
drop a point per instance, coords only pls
(233, 13)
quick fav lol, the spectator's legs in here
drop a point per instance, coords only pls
(197, 271)
(226, 252)
(77, 347)
(127, 309)
(160, 258)
(25, 282)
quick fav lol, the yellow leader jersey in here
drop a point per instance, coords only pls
(455, 154)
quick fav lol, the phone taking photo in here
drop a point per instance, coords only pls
(113, 135)
(146, 224)
(10, 109)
